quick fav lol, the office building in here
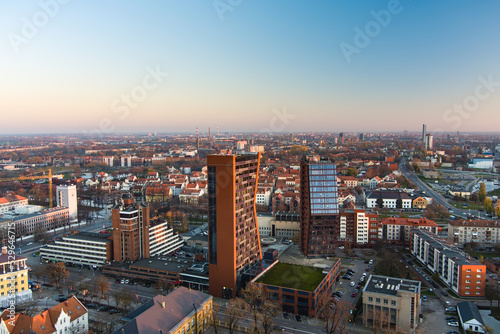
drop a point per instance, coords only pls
(391, 303)
(13, 279)
(463, 274)
(68, 317)
(233, 236)
(45, 220)
(319, 209)
(390, 199)
(84, 248)
(11, 202)
(130, 223)
(66, 197)
(182, 311)
(482, 232)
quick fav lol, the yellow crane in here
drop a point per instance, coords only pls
(34, 177)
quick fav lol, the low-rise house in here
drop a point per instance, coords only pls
(470, 318)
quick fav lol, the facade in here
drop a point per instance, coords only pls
(68, 317)
(397, 231)
(390, 302)
(291, 294)
(162, 239)
(419, 203)
(84, 248)
(358, 227)
(481, 163)
(430, 173)
(285, 225)
(130, 224)
(66, 197)
(429, 141)
(470, 318)
(233, 236)
(13, 279)
(48, 219)
(11, 202)
(463, 274)
(319, 207)
(390, 199)
(182, 311)
(483, 232)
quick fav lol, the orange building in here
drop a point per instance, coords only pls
(233, 235)
(130, 224)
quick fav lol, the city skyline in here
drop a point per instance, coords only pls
(284, 67)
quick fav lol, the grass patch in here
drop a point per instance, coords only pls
(485, 255)
(471, 205)
(293, 276)
(495, 192)
(428, 293)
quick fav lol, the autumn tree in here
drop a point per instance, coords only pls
(482, 192)
(488, 205)
(56, 272)
(37, 271)
(102, 284)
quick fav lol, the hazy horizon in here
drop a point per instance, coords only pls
(286, 66)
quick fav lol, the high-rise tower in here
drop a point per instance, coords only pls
(319, 207)
(66, 196)
(233, 235)
(424, 133)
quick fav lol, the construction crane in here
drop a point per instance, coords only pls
(34, 177)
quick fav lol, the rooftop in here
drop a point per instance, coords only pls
(447, 248)
(475, 223)
(390, 285)
(89, 236)
(293, 276)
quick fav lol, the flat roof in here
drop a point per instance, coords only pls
(448, 249)
(390, 285)
(90, 236)
(162, 264)
(293, 276)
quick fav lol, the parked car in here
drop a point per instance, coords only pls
(352, 283)
(113, 310)
(298, 318)
(102, 308)
(424, 298)
(444, 293)
(453, 323)
(451, 319)
(354, 294)
(451, 309)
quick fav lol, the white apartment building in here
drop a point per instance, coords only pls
(263, 196)
(163, 240)
(66, 196)
(483, 232)
(388, 199)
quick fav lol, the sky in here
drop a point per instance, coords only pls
(280, 66)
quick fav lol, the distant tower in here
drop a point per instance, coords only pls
(208, 133)
(217, 131)
(428, 141)
(197, 143)
(66, 196)
(424, 133)
(341, 137)
(361, 137)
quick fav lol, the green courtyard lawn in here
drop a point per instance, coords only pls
(293, 276)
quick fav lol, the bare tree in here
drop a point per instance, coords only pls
(254, 295)
(102, 284)
(267, 311)
(123, 299)
(37, 271)
(165, 284)
(335, 314)
(214, 320)
(235, 310)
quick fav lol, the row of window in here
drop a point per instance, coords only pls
(386, 301)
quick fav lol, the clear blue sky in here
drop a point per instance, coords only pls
(85, 65)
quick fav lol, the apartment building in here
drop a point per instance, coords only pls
(162, 239)
(397, 231)
(391, 303)
(358, 227)
(483, 232)
(13, 271)
(48, 219)
(463, 274)
(66, 197)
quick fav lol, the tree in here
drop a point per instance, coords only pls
(488, 205)
(214, 320)
(482, 192)
(254, 295)
(491, 294)
(37, 271)
(267, 310)
(335, 315)
(123, 299)
(165, 284)
(234, 310)
(56, 272)
(102, 284)
(41, 235)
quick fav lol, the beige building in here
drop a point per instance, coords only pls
(391, 302)
(483, 232)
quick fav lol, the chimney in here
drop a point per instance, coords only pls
(4, 250)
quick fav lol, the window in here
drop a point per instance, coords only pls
(467, 281)
(187, 327)
(370, 299)
(467, 286)
(478, 282)
(478, 287)
(478, 276)
(467, 292)
(393, 302)
(378, 300)
(479, 270)
(468, 270)
(386, 301)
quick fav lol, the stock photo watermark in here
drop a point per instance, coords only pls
(364, 36)
(123, 105)
(31, 26)
(224, 6)
(11, 279)
(279, 121)
(471, 103)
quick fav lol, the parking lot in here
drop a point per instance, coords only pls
(346, 287)
(434, 317)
